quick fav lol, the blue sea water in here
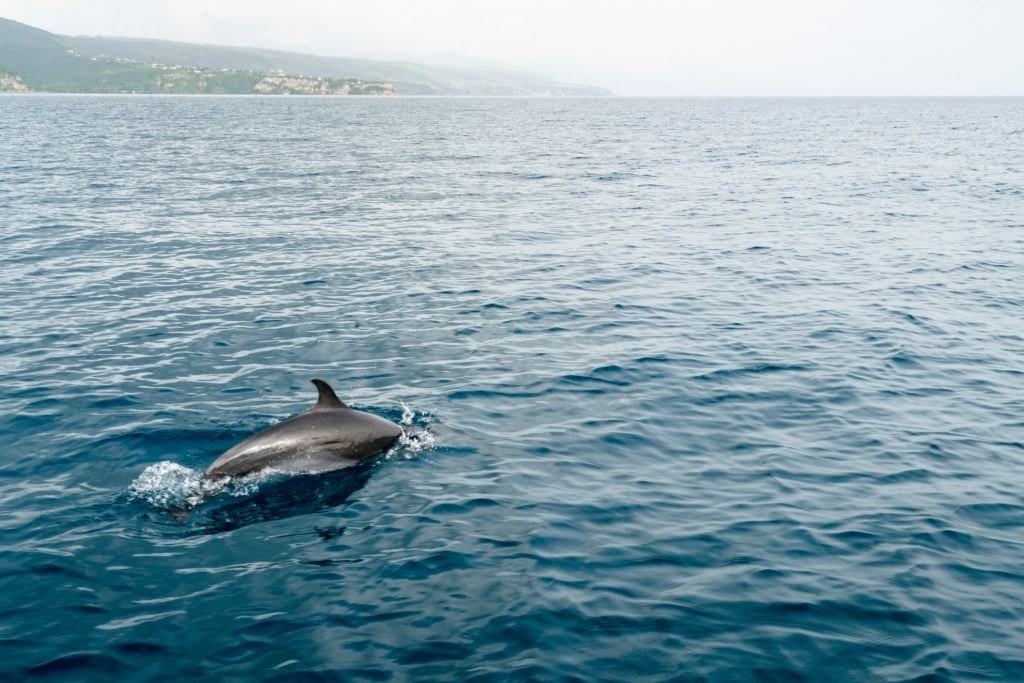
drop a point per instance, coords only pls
(698, 390)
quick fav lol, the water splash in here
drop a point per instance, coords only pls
(416, 437)
(407, 414)
(169, 486)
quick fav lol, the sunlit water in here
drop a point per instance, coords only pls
(697, 390)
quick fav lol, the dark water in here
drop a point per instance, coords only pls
(725, 390)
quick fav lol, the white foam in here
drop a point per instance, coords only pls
(414, 439)
(167, 485)
(407, 415)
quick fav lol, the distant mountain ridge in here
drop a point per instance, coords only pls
(32, 59)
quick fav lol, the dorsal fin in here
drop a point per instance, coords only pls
(328, 399)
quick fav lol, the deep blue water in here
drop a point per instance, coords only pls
(703, 390)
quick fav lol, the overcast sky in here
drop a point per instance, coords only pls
(634, 47)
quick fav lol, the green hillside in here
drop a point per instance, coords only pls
(42, 60)
(34, 60)
(48, 62)
(408, 77)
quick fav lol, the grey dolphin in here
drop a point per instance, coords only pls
(329, 436)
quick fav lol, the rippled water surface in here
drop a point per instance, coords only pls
(699, 390)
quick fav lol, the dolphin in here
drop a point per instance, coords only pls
(329, 436)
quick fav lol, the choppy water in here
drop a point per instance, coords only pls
(723, 390)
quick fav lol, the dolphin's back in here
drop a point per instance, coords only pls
(330, 436)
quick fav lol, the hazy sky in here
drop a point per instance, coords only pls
(635, 47)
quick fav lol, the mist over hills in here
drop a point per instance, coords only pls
(32, 59)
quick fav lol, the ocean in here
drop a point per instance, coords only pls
(705, 390)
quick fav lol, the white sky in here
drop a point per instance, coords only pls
(634, 47)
